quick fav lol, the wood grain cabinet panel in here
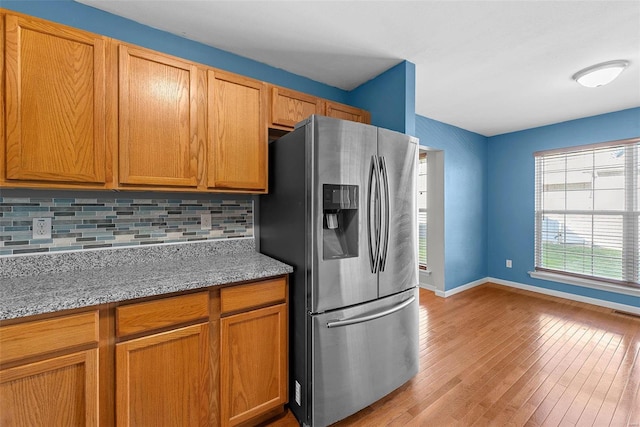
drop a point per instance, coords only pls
(289, 107)
(55, 103)
(28, 339)
(161, 313)
(49, 371)
(253, 295)
(61, 391)
(237, 129)
(346, 112)
(3, 139)
(253, 364)
(158, 129)
(163, 379)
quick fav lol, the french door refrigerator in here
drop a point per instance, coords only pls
(342, 211)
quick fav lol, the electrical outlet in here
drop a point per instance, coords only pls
(41, 228)
(205, 221)
(509, 263)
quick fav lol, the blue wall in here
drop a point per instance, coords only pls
(489, 195)
(390, 97)
(465, 199)
(511, 192)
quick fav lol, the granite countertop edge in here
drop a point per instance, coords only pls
(47, 293)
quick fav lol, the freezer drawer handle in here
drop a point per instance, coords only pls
(354, 320)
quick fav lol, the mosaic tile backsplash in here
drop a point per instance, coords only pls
(89, 223)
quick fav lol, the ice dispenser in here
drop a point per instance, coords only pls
(340, 221)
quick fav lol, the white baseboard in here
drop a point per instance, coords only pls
(427, 287)
(462, 288)
(565, 295)
(545, 291)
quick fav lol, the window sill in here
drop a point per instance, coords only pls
(587, 283)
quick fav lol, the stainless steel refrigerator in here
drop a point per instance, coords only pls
(342, 211)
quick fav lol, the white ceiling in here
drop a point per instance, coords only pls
(490, 67)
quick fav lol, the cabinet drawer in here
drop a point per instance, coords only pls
(162, 313)
(45, 336)
(237, 298)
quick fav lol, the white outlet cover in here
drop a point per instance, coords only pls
(41, 228)
(205, 221)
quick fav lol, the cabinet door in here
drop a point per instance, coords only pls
(158, 131)
(289, 107)
(55, 103)
(237, 158)
(62, 391)
(162, 379)
(346, 112)
(253, 363)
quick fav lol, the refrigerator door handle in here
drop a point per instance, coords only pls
(385, 179)
(378, 213)
(373, 233)
(354, 320)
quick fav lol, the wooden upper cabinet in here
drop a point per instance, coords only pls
(55, 103)
(85, 111)
(289, 107)
(346, 112)
(237, 133)
(3, 139)
(158, 129)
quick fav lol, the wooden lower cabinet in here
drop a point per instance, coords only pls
(253, 350)
(162, 379)
(253, 363)
(49, 372)
(209, 358)
(61, 391)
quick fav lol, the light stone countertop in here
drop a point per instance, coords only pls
(130, 277)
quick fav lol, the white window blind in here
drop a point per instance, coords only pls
(422, 211)
(586, 214)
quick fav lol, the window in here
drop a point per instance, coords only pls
(587, 203)
(422, 211)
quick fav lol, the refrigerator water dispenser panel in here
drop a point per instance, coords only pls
(340, 221)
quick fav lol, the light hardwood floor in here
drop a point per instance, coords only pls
(497, 356)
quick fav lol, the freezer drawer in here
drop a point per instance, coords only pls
(361, 354)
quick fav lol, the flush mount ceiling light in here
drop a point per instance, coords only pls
(600, 74)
